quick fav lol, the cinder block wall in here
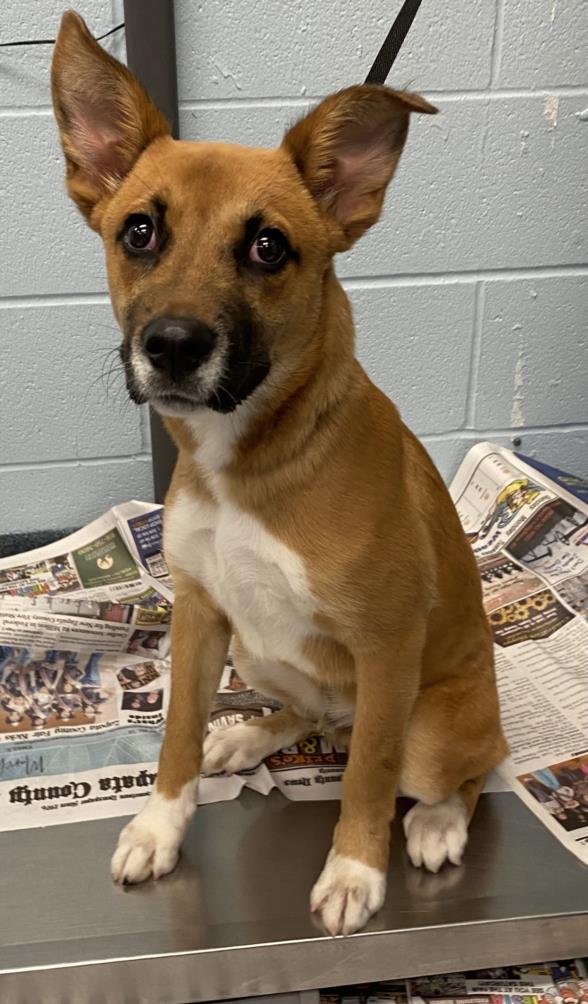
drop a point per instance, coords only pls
(469, 296)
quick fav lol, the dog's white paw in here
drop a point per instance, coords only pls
(144, 851)
(347, 894)
(232, 748)
(436, 833)
(150, 844)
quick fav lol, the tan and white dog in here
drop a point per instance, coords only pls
(303, 519)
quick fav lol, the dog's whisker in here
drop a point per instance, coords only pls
(111, 366)
(222, 387)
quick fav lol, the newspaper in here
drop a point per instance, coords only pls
(529, 534)
(542, 983)
(85, 681)
(85, 672)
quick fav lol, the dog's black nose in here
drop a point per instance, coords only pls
(177, 345)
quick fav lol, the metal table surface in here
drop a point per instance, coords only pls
(233, 919)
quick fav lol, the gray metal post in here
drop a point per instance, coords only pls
(151, 55)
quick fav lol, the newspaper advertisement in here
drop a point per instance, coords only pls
(530, 538)
(85, 661)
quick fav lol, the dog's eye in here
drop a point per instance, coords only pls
(139, 234)
(269, 248)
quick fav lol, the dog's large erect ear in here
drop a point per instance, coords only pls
(105, 118)
(346, 151)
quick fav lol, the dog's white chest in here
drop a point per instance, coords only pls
(258, 581)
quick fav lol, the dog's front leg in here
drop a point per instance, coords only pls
(150, 843)
(352, 885)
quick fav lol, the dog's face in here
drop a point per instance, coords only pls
(217, 254)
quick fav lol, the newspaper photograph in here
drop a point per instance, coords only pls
(85, 661)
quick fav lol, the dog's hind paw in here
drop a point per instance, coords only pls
(232, 748)
(347, 894)
(436, 833)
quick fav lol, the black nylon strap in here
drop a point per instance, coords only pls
(391, 45)
(51, 41)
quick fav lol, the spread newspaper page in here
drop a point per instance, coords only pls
(85, 660)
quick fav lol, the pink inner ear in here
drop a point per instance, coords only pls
(360, 169)
(365, 162)
(98, 140)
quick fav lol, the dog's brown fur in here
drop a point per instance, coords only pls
(325, 464)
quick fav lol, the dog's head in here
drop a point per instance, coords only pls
(217, 254)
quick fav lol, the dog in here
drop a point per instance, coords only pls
(304, 521)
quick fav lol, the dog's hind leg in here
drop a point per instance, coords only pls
(454, 740)
(244, 745)
(439, 832)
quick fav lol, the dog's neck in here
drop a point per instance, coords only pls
(293, 414)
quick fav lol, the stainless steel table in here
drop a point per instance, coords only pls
(233, 920)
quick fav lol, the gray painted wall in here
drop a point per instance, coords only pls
(469, 296)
